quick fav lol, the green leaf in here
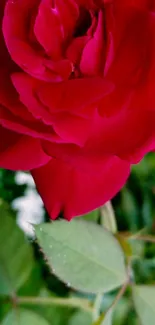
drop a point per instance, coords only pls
(83, 254)
(105, 319)
(5, 307)
(137, 247)
(121, 311)
(16, 257)
(80, 318)
(34, 282)
(144, 301)
(108, 318)
(24, 317)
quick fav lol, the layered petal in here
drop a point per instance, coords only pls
(133, 36)
(93, 56)
(73, 192)
(19, 152)
(29, 55)
(74, 95)
(71, 116)
(15, 116)
(48, 19)
(128, 135)
(5, 59)
(143, 4)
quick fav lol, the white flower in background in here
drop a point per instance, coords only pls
(30, 206)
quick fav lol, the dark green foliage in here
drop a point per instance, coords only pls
(9, 190)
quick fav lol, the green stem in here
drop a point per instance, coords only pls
(108, 218)
(120, 294)
(97, 306)
(66, 302)
(147, 238)
(138, 236)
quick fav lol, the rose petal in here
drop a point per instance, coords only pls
(127, 135)
(34, 129)
(74, 95)
(72, 129)
(132, 45)
(26, 87)
(12, 101)
(20, 48)
(75, 49)
(68, 12)
(68, 190)
(47, 19)
(93, 56)
(19, 152)
(65, 124)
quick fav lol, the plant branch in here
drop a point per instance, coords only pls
(147, 238)
(120, 294)
(139, 236)
(66, 302)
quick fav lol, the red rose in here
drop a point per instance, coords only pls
(77, 95)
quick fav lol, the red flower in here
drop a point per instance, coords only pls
(77, 95)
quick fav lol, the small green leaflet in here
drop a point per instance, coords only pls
(144, 301)
(81, 318)
(24, 317)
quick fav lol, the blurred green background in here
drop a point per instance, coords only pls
(134, 207)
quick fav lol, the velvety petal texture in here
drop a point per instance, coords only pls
(77, 104)
(15, 149)
(72, 191)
